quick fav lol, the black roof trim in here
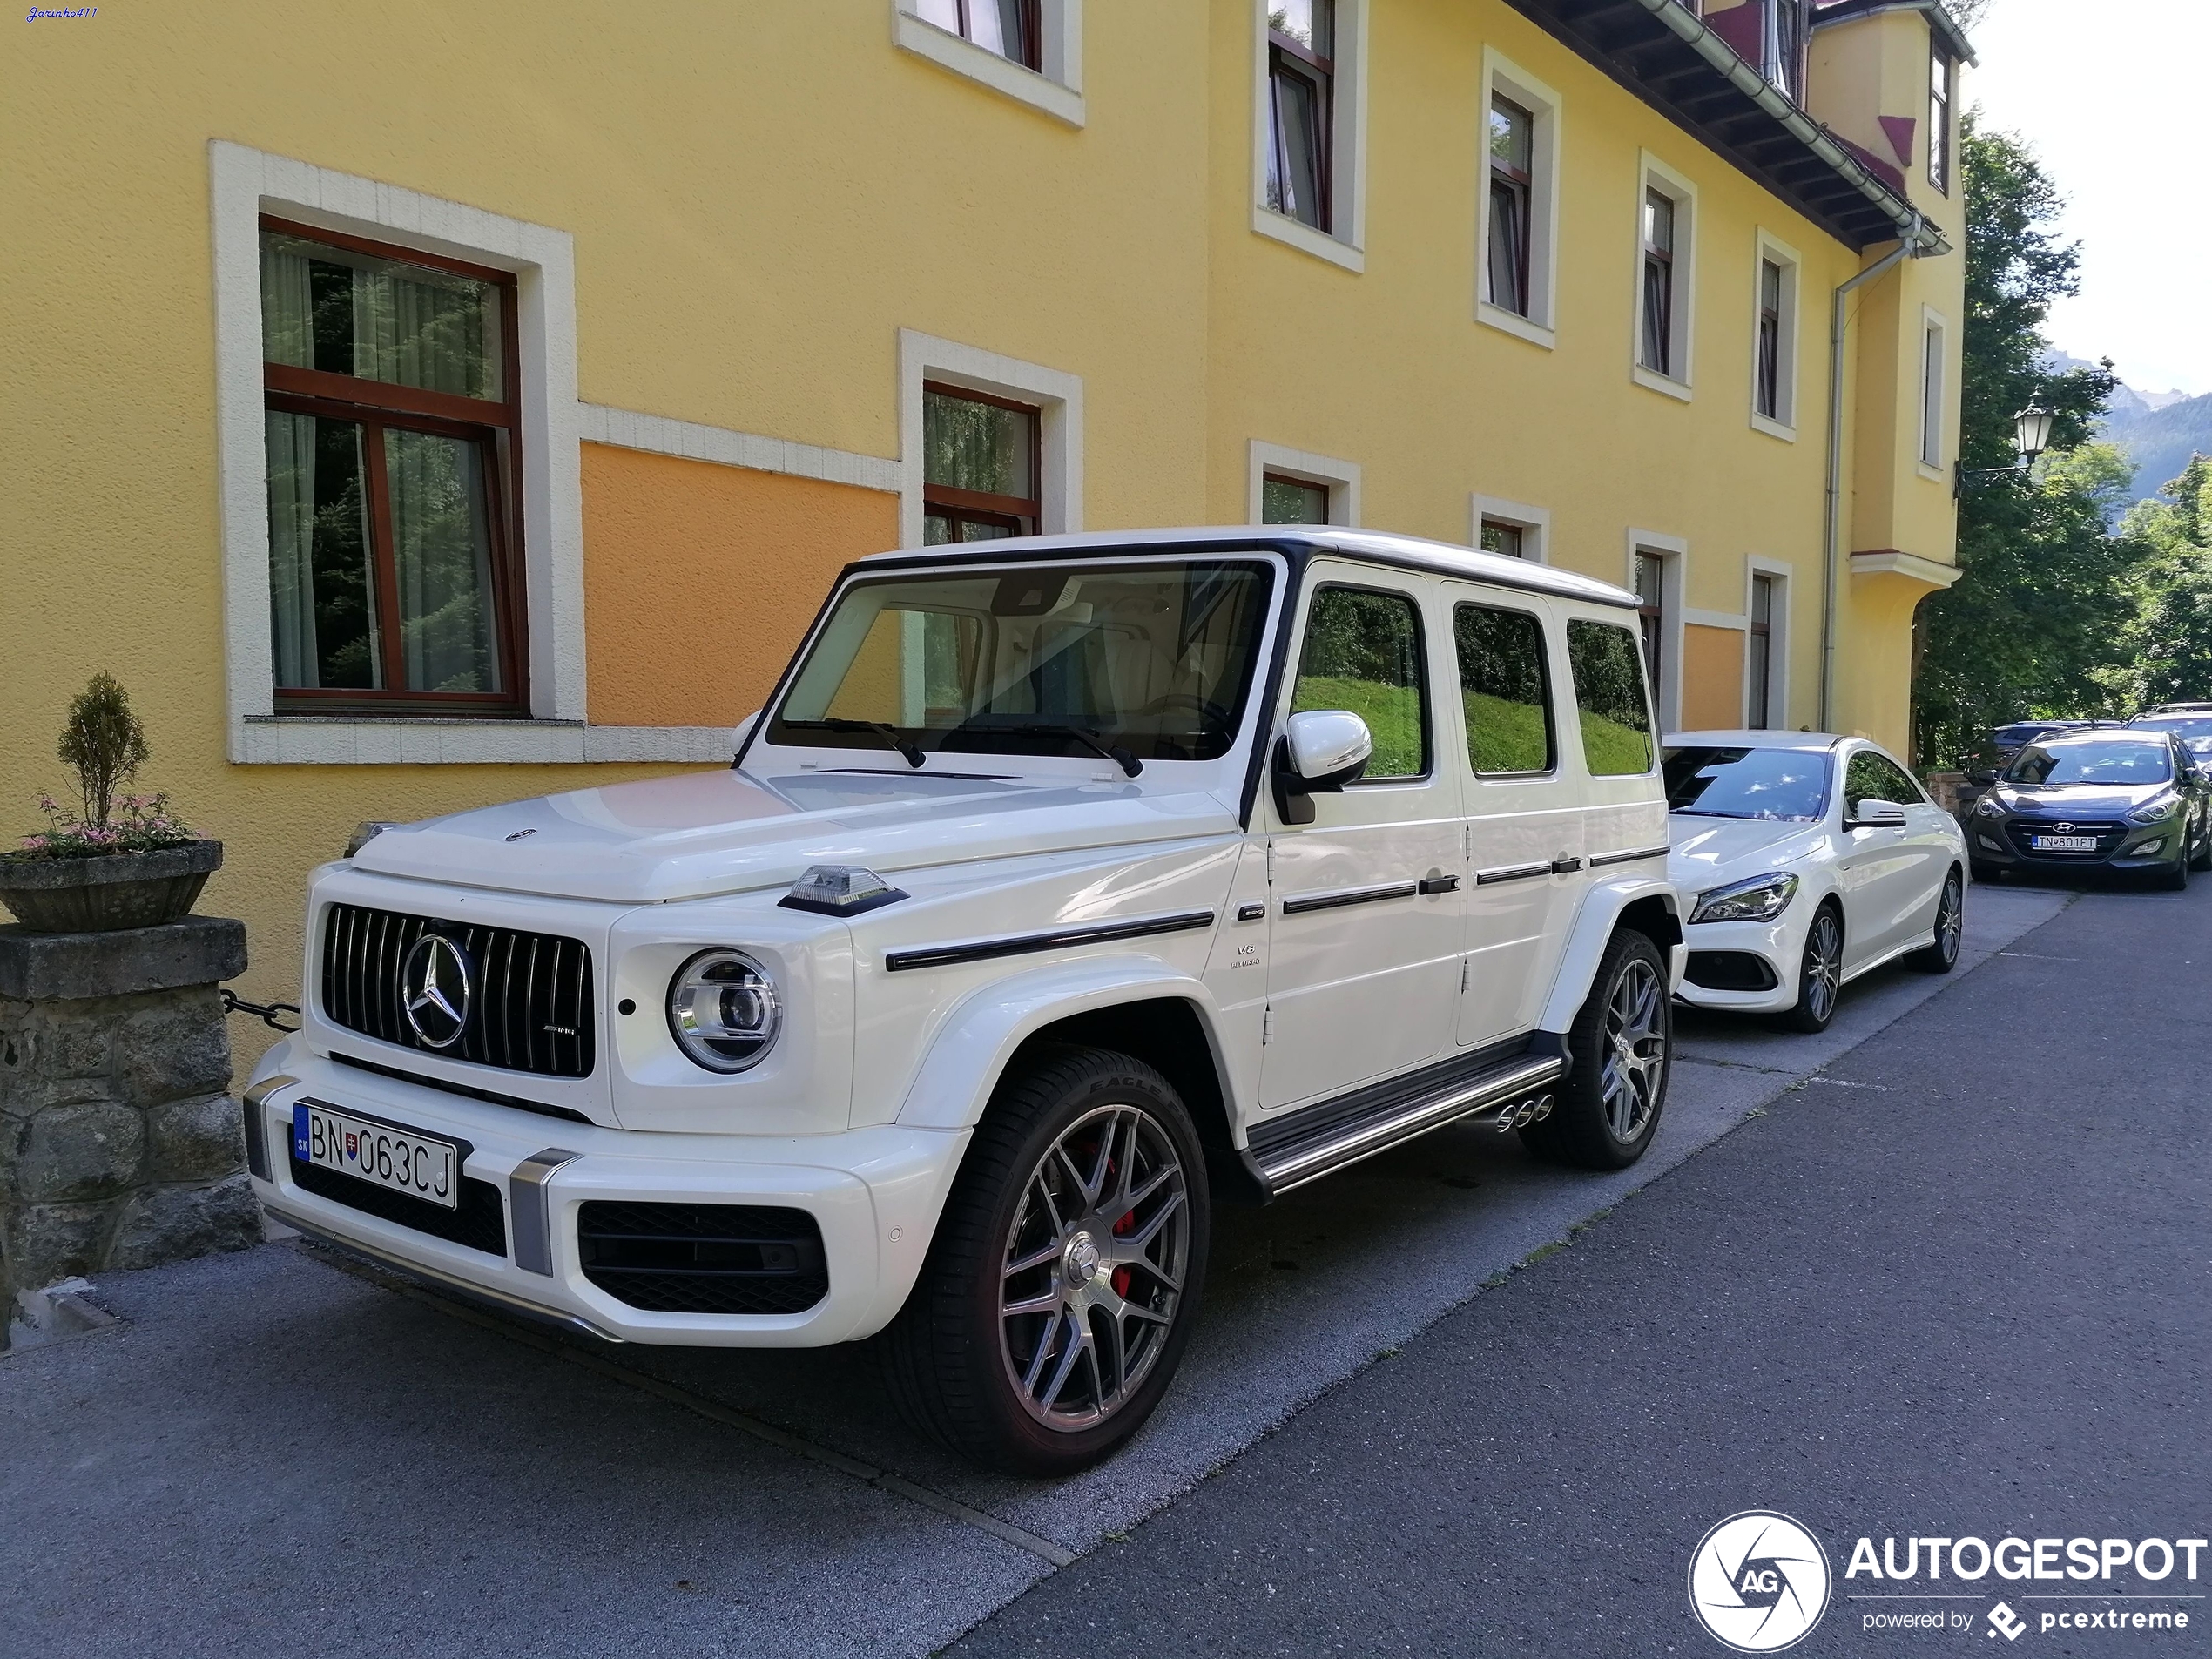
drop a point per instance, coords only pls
(1634, 45)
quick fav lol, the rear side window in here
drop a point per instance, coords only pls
(1363, 653)
(1610, 698)
(1503, 687)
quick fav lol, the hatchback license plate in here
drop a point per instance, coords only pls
(2063, 843)
(383, 1155)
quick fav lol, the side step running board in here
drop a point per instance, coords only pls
(1506, 1095)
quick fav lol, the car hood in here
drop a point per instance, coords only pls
(704, 833)
(1707, 852)
(2075, 800)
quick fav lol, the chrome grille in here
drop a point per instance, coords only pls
(531, 1004)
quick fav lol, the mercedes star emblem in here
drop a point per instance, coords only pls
(434, 990)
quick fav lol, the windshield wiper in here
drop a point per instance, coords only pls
(906, 747)
(1125, 759)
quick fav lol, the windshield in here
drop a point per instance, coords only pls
(1154, 660)
(1786, 785)
(2104, 762)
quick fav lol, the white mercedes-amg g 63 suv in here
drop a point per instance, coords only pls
(1064, 887)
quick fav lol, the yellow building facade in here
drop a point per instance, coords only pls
(1554, 274)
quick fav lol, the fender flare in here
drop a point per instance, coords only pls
(1594, 924)
(970, 1051)
(968, 1055)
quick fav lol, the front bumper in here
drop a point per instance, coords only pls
(2123, 846)
(875, 1194)
(1747, 967)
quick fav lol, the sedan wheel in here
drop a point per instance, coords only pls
(1942, 954)
(1820, 974)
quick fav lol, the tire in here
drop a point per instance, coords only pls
(1820, 973)
(1077, 1133)
(1621, 1049)
(2177, 879)
(2201, 860)
(1942, 954)
(1987, 875)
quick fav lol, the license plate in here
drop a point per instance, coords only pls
(383, 1155)
(2063, 843)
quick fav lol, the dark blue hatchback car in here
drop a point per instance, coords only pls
(2107, 799)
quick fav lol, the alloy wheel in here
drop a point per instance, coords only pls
(1824, 969)
(1093, 1267)
(1635, 1067)
(1951, 921)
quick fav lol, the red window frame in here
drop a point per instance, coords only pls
(1017, 514)
(374, 405)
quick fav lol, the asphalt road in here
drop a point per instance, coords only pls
(1957, 1287)
(275, 1455)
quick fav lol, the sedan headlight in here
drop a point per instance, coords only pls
(1761, 899)
(724, 1011)
(2156, 811)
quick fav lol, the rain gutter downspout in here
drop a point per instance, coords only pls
(1918, 239)
(1832, 520)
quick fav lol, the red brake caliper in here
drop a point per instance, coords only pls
(1122, 1228)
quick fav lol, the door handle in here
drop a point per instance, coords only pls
(1565, 865)
(1431, 884)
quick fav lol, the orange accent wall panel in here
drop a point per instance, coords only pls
(1712, 678)
(698, 579)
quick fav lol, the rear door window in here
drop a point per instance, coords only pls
(1611, 699)
(1505, 689)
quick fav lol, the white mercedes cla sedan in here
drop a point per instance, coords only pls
(1806, 860)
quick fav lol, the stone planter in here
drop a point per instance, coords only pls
(104, 895)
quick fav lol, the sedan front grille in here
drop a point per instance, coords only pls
(529, 1008)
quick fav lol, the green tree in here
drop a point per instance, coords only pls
(2168, 644)
(2032, 626)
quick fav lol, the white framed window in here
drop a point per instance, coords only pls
(1517, 237)
(1655, 575)
(1285, 486)
(1512, 528)
(930, 368)
(1309, 126)
(1933, 345)
(1774, 338)
(1030, 50)
(247, 185)
(1666, 267)
(1766, 644)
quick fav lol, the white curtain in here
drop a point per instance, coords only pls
(291, 440)
(411, 328)
(442, 548)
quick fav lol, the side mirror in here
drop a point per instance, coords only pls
(1878, 814)
(1983, 779)
(742, 729)
(1321, 751)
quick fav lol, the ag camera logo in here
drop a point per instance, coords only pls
(1759, 1581)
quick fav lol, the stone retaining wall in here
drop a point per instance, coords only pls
(120, 1145)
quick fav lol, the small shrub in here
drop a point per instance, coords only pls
(104, 743)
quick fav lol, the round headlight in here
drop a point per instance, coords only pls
(724, 1011)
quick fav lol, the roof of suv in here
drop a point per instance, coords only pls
(1411, 552)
